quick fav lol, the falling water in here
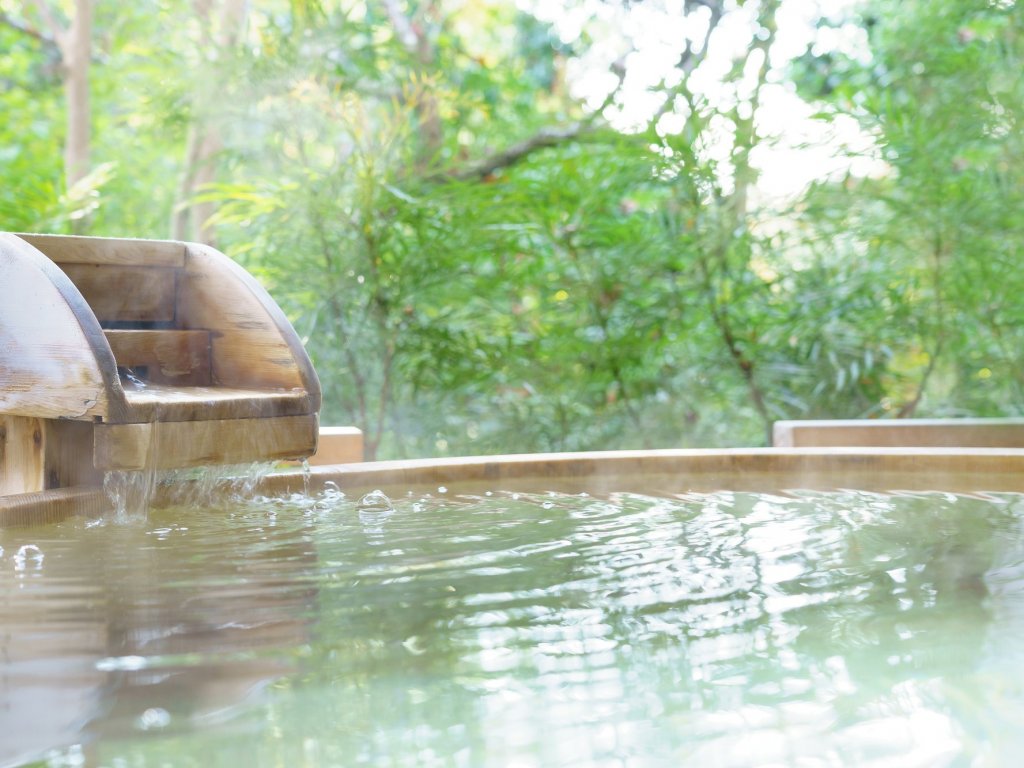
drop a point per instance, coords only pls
(131, 493)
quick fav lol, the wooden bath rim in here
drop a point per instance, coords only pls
(657, 472)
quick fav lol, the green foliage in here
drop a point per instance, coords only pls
(940, 96)
(480, 263)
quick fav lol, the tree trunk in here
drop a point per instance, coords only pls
(74, 43)
(76, 50)
(220, 33)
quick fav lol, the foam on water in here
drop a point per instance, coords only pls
(542, 629)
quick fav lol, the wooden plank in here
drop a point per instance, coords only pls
(667, 472)
(179, 358)
(107, 250)
(46, 507)
(978, 433)
(338, 445)
(166, 403)
(173, 444)
(253, 358)
(54, 361)
(253, 344)
(126, 294)
(767, 470)
(22, 458)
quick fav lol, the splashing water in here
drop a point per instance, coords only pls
(28, 557)
(134, 381)
(132, 493)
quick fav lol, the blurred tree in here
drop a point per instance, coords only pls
(221, 25)
(546, 226)
(940, 98)
(71, 41)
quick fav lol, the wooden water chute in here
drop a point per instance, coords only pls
(132, 354)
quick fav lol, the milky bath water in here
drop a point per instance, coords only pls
(516, 629)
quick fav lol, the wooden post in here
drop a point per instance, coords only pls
(41, 454)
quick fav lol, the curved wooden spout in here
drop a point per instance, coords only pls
(54, 359)
(168, 353)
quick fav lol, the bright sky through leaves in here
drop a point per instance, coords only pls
(648, 38)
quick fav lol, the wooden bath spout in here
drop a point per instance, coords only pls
(114, 352)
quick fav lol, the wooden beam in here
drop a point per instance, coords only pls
(937, 433)
(338, 445)
(22, 458)
(158, 402)
(126, 293)
(106, 250)
(174, 444)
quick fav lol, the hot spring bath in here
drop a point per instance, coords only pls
(649, 608)
(587, 610)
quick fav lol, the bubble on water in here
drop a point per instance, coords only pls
(332, 491)
(375, 501)
(28, 557)
(153, 718)
(375, 509)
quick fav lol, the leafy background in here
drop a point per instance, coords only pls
(484, 255)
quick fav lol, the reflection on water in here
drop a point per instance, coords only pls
(516, 629)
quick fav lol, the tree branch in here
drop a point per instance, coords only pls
(543, 139)
(57, 30)
(25, 29)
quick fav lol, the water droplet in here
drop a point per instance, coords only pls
(153, 718)
(375, 501)
(28, 557)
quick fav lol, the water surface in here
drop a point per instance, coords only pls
(520, 630)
